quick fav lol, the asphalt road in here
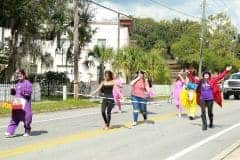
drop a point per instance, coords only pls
(77, 134)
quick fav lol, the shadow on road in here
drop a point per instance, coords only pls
(184, 115)
(119, 126)
(147, 121)
(200, 124)
(152, 113)
(37, 133)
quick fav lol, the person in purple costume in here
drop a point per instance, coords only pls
(23, 89)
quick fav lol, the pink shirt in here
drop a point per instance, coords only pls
(139, 89)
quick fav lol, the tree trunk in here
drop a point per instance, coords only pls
(101, 70)
(2, 38)
(14, 59)
(76, 49)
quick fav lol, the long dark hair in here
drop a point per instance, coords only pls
(21, 71)
(110, 74)
(150, 83)
(202, 80)
(206, 72)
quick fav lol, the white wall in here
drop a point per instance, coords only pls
(104, 30)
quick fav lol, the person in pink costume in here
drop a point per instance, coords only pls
(177, 88)
(118, 93)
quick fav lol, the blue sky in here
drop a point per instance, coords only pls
(147, 8)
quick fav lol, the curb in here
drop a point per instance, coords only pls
(225, 153)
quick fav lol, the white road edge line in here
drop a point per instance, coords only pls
(199, 144)
(61, 118)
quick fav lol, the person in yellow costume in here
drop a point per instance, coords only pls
(188, 95)
(189, 103)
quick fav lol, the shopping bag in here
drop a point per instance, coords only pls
(18, 103)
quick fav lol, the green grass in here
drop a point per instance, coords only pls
(56, 104)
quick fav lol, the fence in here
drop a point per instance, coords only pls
(6, 96)
(160, 90)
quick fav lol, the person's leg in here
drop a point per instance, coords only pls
(203, 116)
(193, 106)
(118, 103)
(210, 112)
(103, 110)
(17, 116)
(179, 110)
(135, 103)
(143, 108)
(27, 122)
(110, 105)
(193, 110)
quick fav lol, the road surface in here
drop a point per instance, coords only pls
(77, 134)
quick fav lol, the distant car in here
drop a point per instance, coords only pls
(231, 86)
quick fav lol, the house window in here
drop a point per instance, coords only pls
(101, 42)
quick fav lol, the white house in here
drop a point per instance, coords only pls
(106, 35)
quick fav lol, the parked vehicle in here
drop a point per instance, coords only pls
(231, 86)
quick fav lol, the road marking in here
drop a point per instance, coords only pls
(204, 141)
(72, 138)
(227, 152)
(61, 118)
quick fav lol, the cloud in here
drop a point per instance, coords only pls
(146, 8)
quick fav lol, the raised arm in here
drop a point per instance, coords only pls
(98, 89)
(134, 81)
(222, 75)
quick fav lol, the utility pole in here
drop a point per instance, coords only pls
(118, 37)
(2, 38)
(203, 23)
(76, 47)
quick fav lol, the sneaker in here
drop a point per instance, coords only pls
(134, 123)
(179, 115)
(26, 135)
(8, 135)
(211, 125)
(191, 118)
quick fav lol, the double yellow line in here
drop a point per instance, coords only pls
(72, 138)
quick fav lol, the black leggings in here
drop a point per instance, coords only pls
(107, 105)
(209, 105)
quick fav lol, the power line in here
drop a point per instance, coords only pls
(110, 9)
(223, 2)
(233, 11)
(175, 10)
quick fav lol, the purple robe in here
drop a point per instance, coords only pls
(23, 89)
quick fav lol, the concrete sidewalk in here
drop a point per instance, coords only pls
(231, 153)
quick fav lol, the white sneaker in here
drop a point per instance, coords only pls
(26, 135)
(179, 115)
(134, 123)
(8, 135)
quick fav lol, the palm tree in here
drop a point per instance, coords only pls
(130, 59)
(103, 55)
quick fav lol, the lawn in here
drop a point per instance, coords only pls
(56, 104)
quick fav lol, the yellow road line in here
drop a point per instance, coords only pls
(71, 138)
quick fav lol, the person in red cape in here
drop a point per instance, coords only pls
(208, 92)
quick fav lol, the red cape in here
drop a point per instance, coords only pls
(215, 88)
